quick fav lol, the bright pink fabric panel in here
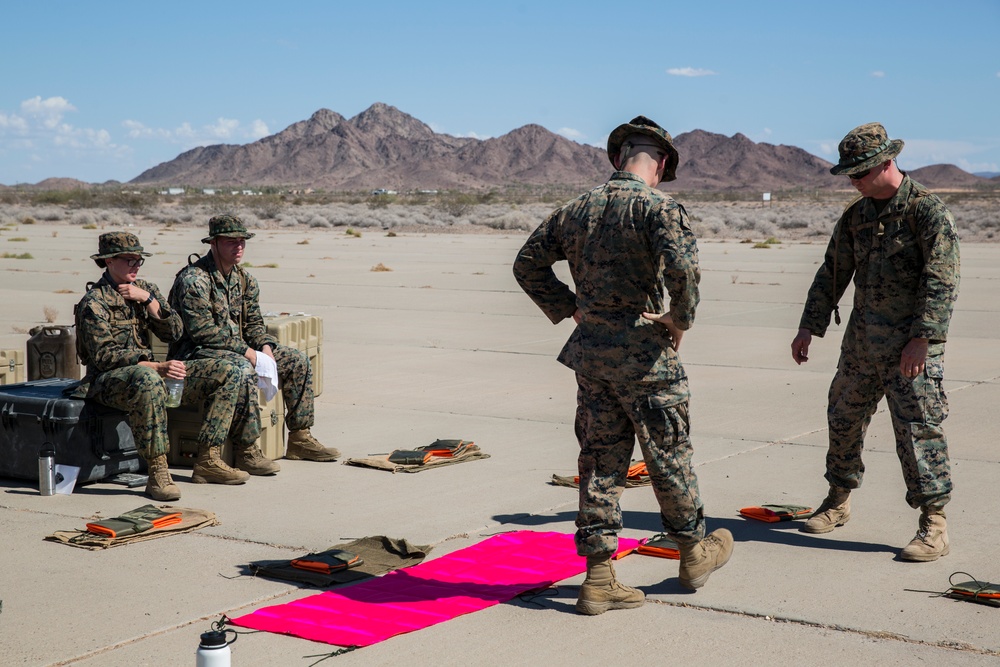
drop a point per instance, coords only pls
(493, 571)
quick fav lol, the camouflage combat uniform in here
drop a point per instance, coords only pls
(625, 243)
(905, 266)
(222, 319)
(113, 337)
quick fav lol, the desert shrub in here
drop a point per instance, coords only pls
(376, 202)
(82, 218)
(130, 202)
(112, 218)
(512, 219)
(455, 204)
(268, 206)
(224, 205)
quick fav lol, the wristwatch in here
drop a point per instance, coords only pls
(149, 300)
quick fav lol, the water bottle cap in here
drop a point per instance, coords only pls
(47, 450)
(213, 639)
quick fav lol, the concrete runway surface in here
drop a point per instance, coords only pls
(445, 345)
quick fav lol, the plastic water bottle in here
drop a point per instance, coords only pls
(47, 470)
(175, 390)
(213, 651)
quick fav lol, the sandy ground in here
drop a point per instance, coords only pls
(444, 345)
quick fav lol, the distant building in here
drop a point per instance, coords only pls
(175, 191)
(208, 191)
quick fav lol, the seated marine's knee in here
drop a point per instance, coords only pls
(148, 385)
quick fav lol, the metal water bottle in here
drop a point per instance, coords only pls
(47, 470)
(213, 651)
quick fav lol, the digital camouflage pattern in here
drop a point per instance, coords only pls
(643, 125)
(220, 314)
(905, 285)
(222, 319)
(627, 245)
(118, 243)
(227, 225)
(113, 333)
(609, 417)
(917, 407)
(113, 337)
(864, 147)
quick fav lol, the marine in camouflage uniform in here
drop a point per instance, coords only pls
(219, 303)
(113, 321)
(899, 244)
(626, 243)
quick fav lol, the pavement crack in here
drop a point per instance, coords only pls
(948, 644)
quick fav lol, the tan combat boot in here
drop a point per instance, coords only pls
(701, 559)
(601, 591)
(253, 461)
(209, 468)
(302, 445)
(931, 540)
(160, 486)
(835, 511)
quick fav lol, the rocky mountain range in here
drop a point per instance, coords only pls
(382, 147)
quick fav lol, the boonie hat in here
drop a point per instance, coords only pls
(643, 125)
(118, 243)
(864, 147)
(226, 225)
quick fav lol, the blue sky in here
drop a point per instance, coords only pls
(99, 91)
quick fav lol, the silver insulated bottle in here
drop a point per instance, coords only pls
(47, 471)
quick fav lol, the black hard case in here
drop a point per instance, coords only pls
(86, 434)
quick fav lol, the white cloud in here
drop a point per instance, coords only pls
(258, 129)
(224, 128)
(963, 154)
(185, 134)
(690, 71)
(49, 111)
(570, 133)
(828, 148)
(137, 130)
(878, 74)
(41, 124)
(13, 122)
(83, 138)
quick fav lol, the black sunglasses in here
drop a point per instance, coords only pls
(858, 176)
(133, 263)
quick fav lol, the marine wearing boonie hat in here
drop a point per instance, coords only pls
(643, 125)
(864, 147)
(112, 244)
(226, 225)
